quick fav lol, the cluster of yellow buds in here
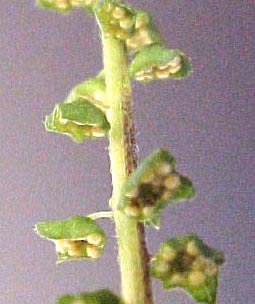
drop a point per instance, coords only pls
(91, 247)
(145, 33)
(123, 22)
(188, 263)
(116, 19)
(64, 6)
(152, 185)
(160, 72)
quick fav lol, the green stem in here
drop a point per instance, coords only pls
(133, 256)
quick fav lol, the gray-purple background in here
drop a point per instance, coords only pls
(206, 120)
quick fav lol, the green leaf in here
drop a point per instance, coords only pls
(153, 185)
(145, 33)
(188, 263)
(79, 120)
(157, 62)
(77, 237)
(116, 19)
(103, 296)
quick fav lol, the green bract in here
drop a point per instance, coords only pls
(188, 263)
(145, 33)
(65, 6)
(79, 119)
(77, 237)
(93, 90)
(103, 296)
(152, 186)
(157, 62)
(116, 19)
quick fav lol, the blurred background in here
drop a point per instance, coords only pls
(206, 120)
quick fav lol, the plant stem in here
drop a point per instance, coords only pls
(133, 256)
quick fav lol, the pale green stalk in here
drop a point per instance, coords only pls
(133, 258)
(101, 215)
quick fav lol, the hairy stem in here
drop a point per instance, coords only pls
(133, 256)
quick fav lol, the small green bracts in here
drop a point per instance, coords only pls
(77, 237)
(188, 263)
(152, 186)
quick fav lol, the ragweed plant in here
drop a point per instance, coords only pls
(102, 107)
